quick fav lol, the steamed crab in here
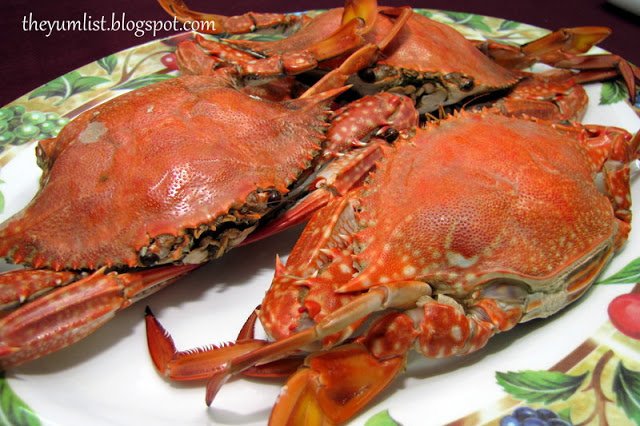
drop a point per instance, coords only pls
(514, 223)
(148, 186)
(419, 57)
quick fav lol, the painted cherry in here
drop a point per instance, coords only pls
(624, 312)
(169, 61)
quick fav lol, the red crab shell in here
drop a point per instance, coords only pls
(161, 161)
(426, 46)
(530, 217)
(518, 216)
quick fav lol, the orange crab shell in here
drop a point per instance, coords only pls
(517, 200)
(511, 211)
(158, 161)
(427, 46)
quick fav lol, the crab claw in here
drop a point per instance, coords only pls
(336, 178)
(365, 10)
(193, 364)
(565, 41)
(563, 49)
(198, 364)
(333, 386)
(393, 295)
(550, 49)
(602, 67)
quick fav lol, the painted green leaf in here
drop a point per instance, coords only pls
(477, 23)
(630, 274)
(263, 37)
(67, 85)
(507, 25)
(612, 92)
(539, 386)
(58, 87)
(459, 17)
(139, 82)
(470, 20)
(83, 84)
(13, 410)
(626, 386)
(381, 419)
(108, 63)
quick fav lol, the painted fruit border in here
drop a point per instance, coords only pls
(44, 111)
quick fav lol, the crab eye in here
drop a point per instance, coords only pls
(464, 83)
(389, 134)
(274, 198)
(149, 258)
(367, 75)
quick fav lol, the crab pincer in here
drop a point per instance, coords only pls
(564, 48)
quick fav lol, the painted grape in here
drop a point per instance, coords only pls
(527, 416)
(19, 126)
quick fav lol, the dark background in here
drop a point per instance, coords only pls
(29, 59)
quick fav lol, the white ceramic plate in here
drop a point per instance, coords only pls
(108, 379)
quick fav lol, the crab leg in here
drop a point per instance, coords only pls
(439, 328)
(602, 67)
(402, 15)
(392, 295)
(354, 142)
(193, 364)
(358, 18)
(553, 95)
(366, 56)
(193, 60)
(346, 38)
(561, 49)
(220, 24)
(363, 10)
(554, 47)
(335, 179)
(68, 314)
(278, 368)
